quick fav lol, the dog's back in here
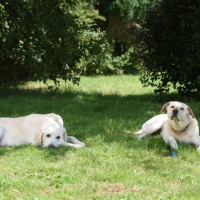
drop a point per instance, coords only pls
(21, 130)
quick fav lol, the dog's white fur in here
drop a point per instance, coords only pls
(179, 124)
(45, 130)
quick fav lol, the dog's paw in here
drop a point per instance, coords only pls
(173, 144)
(198, 149)
(79, 145)
(82, 144)
(139, 137)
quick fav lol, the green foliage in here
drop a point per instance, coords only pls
(114, 49)
(39, 40)
(99, 59)
(126, 9)
(43, 40)
(99, 56)
(171, 50)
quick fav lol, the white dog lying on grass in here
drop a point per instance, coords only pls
(45, 130)
(179, 124)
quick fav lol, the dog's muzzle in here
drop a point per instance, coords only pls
(174, 114)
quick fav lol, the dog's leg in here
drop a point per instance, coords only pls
(73, 142)
(196, 142)
(149, 129)
(71, 145)
(139, 137)
(153, 125)
(171, 141)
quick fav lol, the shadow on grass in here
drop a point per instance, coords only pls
(86, 116)
(28, 150)
(8, 149)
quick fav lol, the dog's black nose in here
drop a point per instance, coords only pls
(175, 111)
(51, 146)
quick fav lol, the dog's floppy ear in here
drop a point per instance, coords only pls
(64, 135)
(191, 112)
(38, 136)
(165, 107)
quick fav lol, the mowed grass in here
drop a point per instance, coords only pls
(113, 165)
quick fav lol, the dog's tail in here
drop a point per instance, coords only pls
(130, 132)
(139, 132)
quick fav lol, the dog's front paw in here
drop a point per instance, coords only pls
(79, 145)
(82, 144)
(173, 144)
(198, 149)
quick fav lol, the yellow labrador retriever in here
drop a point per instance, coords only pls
(179, 124)
(45, 130)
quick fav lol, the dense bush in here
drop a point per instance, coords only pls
(171, 47)
(112, 40)
(40, 40)
(127, 10)
(99, 58)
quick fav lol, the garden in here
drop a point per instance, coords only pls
(114, 164)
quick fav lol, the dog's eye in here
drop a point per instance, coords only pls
(48, 135)
(58, 137)
(182, 108)
(172, 106)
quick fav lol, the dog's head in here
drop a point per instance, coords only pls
(50, 134)
(177, 110)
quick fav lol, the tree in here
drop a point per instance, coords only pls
(40, 40)
(171, 47)
(121, 17)
(115, 52)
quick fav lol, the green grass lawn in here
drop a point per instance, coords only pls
(114, 165)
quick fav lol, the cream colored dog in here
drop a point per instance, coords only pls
(45, 130)
(179, 124)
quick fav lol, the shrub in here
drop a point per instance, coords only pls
(171, 47)
(40, 40)
(99, 58)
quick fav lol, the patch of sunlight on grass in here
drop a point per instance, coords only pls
(122, 85)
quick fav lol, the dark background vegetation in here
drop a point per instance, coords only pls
(42, 40)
